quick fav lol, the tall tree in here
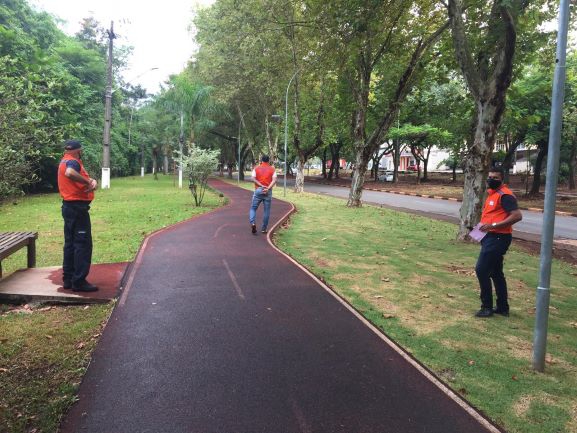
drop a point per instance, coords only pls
(383, 45)
(484, 38)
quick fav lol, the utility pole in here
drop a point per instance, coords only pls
(180, 148)
(105, 182)
(543, 290)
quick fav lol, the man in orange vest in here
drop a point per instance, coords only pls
(77, 191)
(264, 177)
(500, 212)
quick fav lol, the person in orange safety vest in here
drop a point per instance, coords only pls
(264, 178)
(77, 191)
(500, 212)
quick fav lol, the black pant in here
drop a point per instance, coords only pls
(77, 241)
(490, 267)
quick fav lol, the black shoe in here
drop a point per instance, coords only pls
(264, 230)
(84, 286)
(253, 226)
(484, 312)
(67, 284)
(501, 312)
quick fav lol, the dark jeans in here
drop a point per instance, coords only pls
(490, 267)
(77, 241)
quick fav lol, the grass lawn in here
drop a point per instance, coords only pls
(44, 350)
(409, 277)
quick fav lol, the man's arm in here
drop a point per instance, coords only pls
(272, 183)
(90, 183)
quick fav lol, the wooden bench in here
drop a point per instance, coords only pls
(10, 242)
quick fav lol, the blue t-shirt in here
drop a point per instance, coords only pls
(509, 203)
(75, 165)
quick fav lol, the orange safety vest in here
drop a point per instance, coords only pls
(264, 173)
(69, 189)
(493, 212)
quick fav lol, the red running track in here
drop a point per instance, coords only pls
(217, 332)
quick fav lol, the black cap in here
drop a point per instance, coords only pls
(72, 145)
(265, 158)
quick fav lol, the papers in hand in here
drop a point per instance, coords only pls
(477, 234)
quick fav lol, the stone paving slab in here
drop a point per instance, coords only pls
(45, 284)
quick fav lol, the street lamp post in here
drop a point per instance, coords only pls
(286, 129)
(543, 291)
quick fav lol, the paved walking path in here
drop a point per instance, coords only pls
(217, 332)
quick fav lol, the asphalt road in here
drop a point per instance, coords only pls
(217, 332)
(565, 226)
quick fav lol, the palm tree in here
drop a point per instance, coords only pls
(193, 102)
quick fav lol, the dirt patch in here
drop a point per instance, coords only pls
(518, 347)
(522, 406)
(572, 425)
(323, 263)
(461, 271)
(563, 249)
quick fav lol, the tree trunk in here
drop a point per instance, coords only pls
(538, 168)
(335, 149)
(477, 164)
(230, 170)
(375, 167)
(155, 162)
(572, 166)
(487, 73)
(426, 166)
(396, 161)
(324, 163)
(165, 165)
(300, 176)
(475, 171)
(454, 173)
(510, 155)
(272, 142)
(361, 163)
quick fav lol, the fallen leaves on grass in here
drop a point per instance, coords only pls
(461, 271)
(471, 362)
(388, 316)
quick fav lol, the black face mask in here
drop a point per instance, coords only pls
(493, 183)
